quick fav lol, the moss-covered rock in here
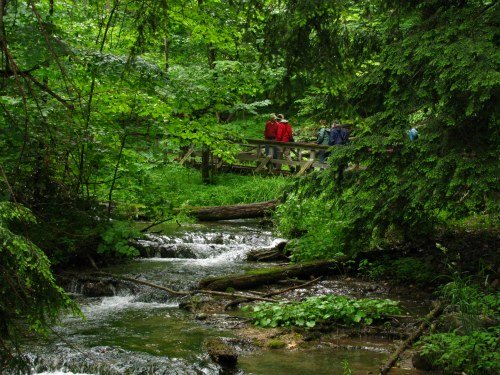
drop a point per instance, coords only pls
(276, 344)
(220, 352)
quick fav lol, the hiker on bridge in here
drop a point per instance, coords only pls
(270, 134)
(285, 134)
(338, 135)
(323, 139)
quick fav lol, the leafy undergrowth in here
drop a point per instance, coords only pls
(476, 353)
(405, 270)
(469, 337)
(323, 309)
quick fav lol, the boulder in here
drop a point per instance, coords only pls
(97, 289)
(269, 254)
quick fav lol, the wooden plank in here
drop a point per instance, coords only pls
(184, 158)
(305, 167)
(263, 164)
(317, 164)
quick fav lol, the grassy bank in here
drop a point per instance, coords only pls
(162, 189)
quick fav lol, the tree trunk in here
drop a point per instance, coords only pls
(205, 166)
(237, 211)
(274, 274)
(166, 44)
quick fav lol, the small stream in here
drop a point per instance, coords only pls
(138, 330)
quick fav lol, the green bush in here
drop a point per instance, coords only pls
(30, 299)
(470, 302)
(411, 270)
(312, 221)
(115, 239)
(470, 348)
(373, 270)
(322, 309)
(476, 353)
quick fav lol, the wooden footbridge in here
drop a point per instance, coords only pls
(281, 158)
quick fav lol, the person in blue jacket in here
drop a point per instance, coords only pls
(338, 135)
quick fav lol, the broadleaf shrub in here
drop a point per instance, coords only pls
(477, 353)
(323, 309)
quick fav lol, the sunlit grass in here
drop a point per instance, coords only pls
(159, 191)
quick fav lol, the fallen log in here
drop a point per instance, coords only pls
(413, 337)
(269, 276)
(230, 212)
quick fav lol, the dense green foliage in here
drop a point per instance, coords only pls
(472, 345)
(476, 353)
(162, 189)
(30, 298)
(326, 309)
(470, 302)
(404, 270)
(112, 91)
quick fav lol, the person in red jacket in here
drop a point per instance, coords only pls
(284, 133)
(270, 134)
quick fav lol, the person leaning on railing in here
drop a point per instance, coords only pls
(284, 133)
(338, 135)
(270, 134)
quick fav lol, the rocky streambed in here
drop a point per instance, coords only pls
(135, 329)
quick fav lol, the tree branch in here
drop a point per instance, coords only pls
(248, 299)
(47, 89)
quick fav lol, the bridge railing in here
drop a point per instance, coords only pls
(300, 157)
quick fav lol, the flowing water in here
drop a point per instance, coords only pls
(139, 330)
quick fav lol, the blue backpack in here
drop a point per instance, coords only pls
(413, 134)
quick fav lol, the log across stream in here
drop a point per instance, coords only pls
(231, 212)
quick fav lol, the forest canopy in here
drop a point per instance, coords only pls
(97, 96)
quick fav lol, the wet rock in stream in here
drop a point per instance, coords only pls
(176, 251)
(221, 352)
(97, 289)
(269, 254)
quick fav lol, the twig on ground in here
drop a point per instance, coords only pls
(281, 291)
